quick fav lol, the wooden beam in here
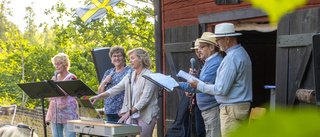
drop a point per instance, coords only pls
(316, 61)
(178, 47)
(298, 74)
(159, 61)
(297, 40)
(306, 95)
(158, 36)
(221, 2)
(172, 66)
(231, 15)
(282, 64)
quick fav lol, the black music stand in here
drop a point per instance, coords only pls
(41, 90)
(161, 87)
(75, 88)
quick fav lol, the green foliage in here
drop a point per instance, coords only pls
(299, 122)
(6, 26)
(124, 27)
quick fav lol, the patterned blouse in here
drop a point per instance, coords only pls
(62, 109)
(114, 104)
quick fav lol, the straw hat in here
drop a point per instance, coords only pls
(225, 29)
(196, 44)
(207, 39)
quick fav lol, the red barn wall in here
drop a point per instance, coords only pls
(185, 12)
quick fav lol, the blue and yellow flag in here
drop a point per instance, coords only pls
(95, 10)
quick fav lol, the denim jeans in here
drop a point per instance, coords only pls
(113, 117)
(57, 130)
(200, 127)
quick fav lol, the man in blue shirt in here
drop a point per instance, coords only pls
(233, 87)
(208, 51)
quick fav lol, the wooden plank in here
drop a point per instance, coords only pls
(318, 19)
(309, 18)
(192, 11)
(316, 61)
(186, 11)
(176, 4)
(203, 28)
(298, 62)
(231, 15)
(178, 47)
(182, 34)
(296, 22)
(172, 66)
(184, 22)
(169, 122)
(297, 40)
(295, 56)
(282, 64)
(299, 58)
(306, 95)
(221, 2)
(159, 61)
(158, 36)
(307, 81)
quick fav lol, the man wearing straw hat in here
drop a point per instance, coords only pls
(199, 123)
(233, 87)
(208, 51)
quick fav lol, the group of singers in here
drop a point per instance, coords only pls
(224, 97)
(125, 92)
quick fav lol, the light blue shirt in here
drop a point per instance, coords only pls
(208, 74)
(234, 79)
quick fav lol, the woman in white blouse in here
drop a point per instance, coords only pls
(144, 108)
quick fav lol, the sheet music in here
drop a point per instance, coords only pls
(166, 81)
(187, 76)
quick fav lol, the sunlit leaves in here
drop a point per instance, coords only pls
(302, 121)
(277, 8)
(127, 27)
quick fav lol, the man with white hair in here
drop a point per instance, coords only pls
(233, 86)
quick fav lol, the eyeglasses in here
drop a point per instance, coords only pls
(219, 39)
(57, 64)
(202, 46)
(117, 56)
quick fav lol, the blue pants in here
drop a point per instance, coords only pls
(113, 117)
(57, 130)
(200, 127)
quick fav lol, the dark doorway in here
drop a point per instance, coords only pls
(261, 47)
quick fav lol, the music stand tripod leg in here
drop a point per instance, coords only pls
(43, 117)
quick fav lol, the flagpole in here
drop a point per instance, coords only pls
(138, 9)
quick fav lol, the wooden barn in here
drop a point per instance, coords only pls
(285, 55)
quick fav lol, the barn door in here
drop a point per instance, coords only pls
(178, 41)
(294, 65)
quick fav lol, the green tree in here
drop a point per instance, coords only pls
(5, 25)
(125, 27)
(31, 28)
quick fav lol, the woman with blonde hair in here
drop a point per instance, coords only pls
(62, 109)
(142, 106)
